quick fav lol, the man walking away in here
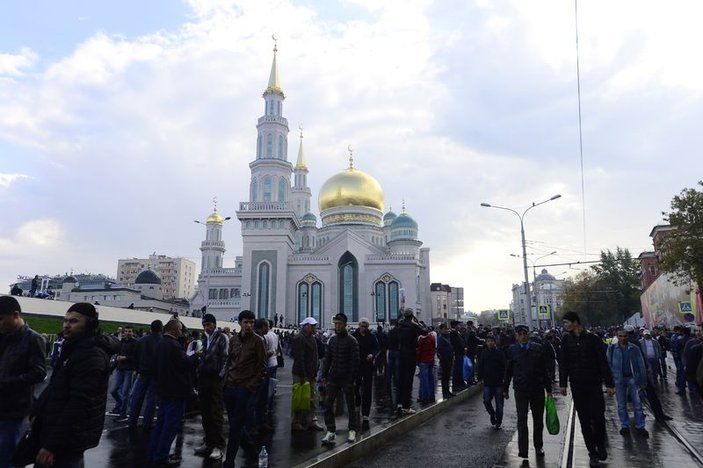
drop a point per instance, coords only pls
(491, 370)
(244, 374)
(409, 330)
(368, 350)
(339, 371)
(426, 352)
(71, 415)
(305, 365)
(663, 341)
(22, 365)
(124, 373)
(527, 368)
(211, 370)
(145, 385)
(446, 356)
(459, 349)
(630, 376)
(173, 387)
(583, 362)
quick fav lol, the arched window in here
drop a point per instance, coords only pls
(279, 107)
(380, 299)
(280, 147)
(267, 189)
(303, 301)
(282, 189)
(393, 302)
(264, 277)
(258, 147)
(348, 286)
(269, 145)
(254, 190)
(316, 301)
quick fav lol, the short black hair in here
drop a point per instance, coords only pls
(173, 324)
(246, 315)
(453, 323)
(157, 326)
(9, 305)
(572, 316)
(259, 324)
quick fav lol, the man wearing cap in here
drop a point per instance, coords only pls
(211, 369)
(368, 350)
(71, 412)
(22, 365)
(339, 369)
(305, 364)
(582, 361)
(527, 368)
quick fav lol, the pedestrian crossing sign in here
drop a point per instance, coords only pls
(685, 307)
(503, 315)
(543, 310)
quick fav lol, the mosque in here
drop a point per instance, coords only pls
(357, 259)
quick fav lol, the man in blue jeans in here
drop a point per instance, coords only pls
(244, 374)
(173, 387)
(491, 370)
(22, 365)
(630, 376)
(124, 373)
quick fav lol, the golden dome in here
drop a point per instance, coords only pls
(215, 218)
(351, 187)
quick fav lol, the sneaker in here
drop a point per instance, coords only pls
(642, 432)
(216, 454)
(408, 411)
(121, 419)
(493, 419)
(351, 438)
(328, 439)
(365, 425)
(498, 426)
(202, 450)
(625, 431)
(539, 452)
(114, 412)
(602, 453)
(314, 426)
(593, 460)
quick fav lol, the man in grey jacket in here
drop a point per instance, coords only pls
(630, 376)
(211, 369)
(22, 365)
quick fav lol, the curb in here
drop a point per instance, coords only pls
(348, 453)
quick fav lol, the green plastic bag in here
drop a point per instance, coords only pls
(302, 394)
(551, 415)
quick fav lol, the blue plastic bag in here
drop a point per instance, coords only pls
(468, 368)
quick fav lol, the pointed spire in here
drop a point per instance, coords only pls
(274, 81)
(300, 164)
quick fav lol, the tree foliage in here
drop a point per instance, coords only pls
(608, 293)
(682, 249)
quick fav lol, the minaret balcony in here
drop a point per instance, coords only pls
(273, 119)
(265, 206)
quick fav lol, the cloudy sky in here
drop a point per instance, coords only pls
(119, 121)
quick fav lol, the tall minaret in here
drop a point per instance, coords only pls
(269, 222)
(271, 171)
(213, 247)
(300, 194)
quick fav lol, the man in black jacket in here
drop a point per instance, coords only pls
(491, 370)
(145, 385)
(446, 356)
(459, 348)
(339, 370)
(173, 387)
(211, 371)
(305, 363)
(368, 350)
(71, 410)
(527, 368)
(409, 329)
(22, 365)
(582, 360)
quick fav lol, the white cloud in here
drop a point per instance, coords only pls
(13, 64)
(7, 179)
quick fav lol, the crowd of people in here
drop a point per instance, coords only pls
(160, 373)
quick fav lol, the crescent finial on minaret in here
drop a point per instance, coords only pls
(351, 156)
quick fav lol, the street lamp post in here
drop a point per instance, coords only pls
(524, 247)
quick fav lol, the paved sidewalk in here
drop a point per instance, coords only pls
(120, 447)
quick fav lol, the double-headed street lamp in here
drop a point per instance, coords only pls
(524, 249)
(534, 262)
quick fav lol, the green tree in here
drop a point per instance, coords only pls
(682, 249)
(606, 294)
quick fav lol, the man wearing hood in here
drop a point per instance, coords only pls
(71, 410)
